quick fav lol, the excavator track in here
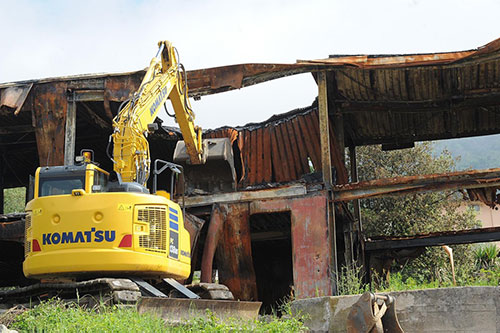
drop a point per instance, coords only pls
(90, 292)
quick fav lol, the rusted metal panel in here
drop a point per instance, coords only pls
(301, 148)
(284, 165)
(394, 61)
(215, 229)
(294, 149)
(309, 142)
(279, 175)
(219, 79)
(310, 241)
(234, 253)
(287, 160)
(14, 97)
(252, 173)
(267, 158)
(312, 122)
(243, 154)
(258, 149)
(50, 106)
(414, 184)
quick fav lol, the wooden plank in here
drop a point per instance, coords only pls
(267, 158)
(323, 130)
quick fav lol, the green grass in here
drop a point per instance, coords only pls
(56, 316)
(14, 200)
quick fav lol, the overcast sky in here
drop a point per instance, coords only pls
(55, 38)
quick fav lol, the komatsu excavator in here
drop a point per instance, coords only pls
(87, 222)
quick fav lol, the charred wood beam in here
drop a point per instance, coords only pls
(362, 140)
(89, 95)
(416, 184)
(270, 235)
(15, 96)
(95, 117)
(2, 185)
(465, 101)
(326, 164)
(436, 239)
(16, 129)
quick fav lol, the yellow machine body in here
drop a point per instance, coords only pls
(78, 225)
(83, 232)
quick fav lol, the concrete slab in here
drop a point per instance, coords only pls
(463, 309)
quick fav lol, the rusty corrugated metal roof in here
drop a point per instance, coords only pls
(395, 99)
(281, 149)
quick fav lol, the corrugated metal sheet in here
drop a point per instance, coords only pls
(282, 149)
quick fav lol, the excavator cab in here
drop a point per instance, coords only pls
(80, 224)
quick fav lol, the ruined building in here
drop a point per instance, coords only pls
(287, 228)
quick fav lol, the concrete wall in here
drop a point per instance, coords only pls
(465, 309)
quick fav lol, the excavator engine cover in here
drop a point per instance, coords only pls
(216, 175)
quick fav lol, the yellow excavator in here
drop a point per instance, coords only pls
(85, 221)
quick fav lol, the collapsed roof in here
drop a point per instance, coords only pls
(392, 100)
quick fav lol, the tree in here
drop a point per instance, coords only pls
(14, 200)
(415, 213)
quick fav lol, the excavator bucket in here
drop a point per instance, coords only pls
(176, 310)
(373, 314)
(216, 175)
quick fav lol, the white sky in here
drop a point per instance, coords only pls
(54, 38)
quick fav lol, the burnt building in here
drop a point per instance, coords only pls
(287, 228)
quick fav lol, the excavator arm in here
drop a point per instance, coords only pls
(164, 79)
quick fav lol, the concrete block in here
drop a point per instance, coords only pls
(462, 309)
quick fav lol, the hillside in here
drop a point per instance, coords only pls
(473, 153)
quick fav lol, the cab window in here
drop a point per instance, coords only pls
(101, 179)
(60, 185)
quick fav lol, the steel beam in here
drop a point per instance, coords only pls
(246, 196)
(70, 132)
(416, 184)
(438, 239)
